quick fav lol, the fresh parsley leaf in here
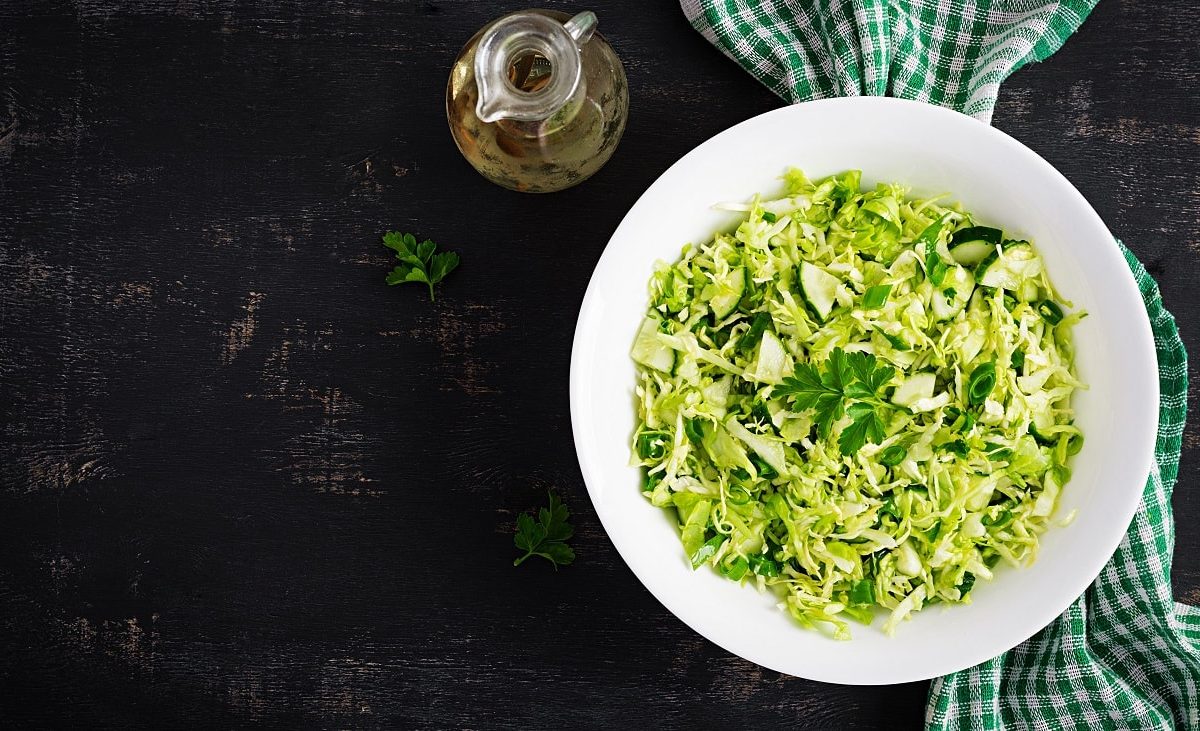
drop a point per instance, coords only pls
(547, 535)
(838, 374)
(865, 425)
(849, 384)
(869, 375)
(808, 388)
(418, 262)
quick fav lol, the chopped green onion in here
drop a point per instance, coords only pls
(997, 452)
(738, 495)
(981, 383)
(893, 455)
(1050, 311)
(735, 569)
(862, 592)
(764, 566)
(876, 296)
(753, 335)
(1000, 520)
(933, 533)
(765, 470)
(937, 270)
(1074, 443)
(652, 444)
(957, 446)
(769, 217)
(707, 550)
(694, 428)
(896, 342)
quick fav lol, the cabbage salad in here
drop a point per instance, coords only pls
(857, 400)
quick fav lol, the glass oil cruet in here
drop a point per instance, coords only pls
(537, 100)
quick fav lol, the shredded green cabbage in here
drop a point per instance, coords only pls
(843, 496)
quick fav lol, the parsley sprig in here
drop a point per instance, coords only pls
(547, 535)
(418, 262)
(849, 384)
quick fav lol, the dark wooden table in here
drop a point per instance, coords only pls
(241, 480)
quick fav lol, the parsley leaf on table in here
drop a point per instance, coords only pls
(418, 262)
(849, 384)
(546, 536)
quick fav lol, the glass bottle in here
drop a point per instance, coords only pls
(537, 100)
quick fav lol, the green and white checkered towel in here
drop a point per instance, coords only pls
(1125, 655)
(953, 53)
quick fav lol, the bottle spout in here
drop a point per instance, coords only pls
(490, 107)
(581, 27)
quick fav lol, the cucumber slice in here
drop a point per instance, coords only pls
(819, 289)
(918, 386)
(1016, 263)
(773, 363)
(972, 245)
(726, 452)
(971, 253)
(649, 349)
(1029, 291)
(949, 299)
(770, 450)
(724, 294)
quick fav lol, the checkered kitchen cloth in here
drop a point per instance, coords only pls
(1125, 655)
(952, 53)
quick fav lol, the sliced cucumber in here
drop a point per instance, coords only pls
(972, 245)
(949, 299)
(971, 253)
(649, 349)
(1016, 263)
(727, 452)
(819, 289)
(724, 294)
(918, 386)
(770, 450)
(1029, 291)
(773, 363)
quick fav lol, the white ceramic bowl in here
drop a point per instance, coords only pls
(1004, 183)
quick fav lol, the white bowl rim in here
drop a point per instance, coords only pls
(1141, 449)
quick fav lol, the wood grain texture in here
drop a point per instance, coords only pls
(241, 481)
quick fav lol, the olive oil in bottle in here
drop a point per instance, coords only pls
(537, 100)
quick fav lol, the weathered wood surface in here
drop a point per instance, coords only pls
(242, 481)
